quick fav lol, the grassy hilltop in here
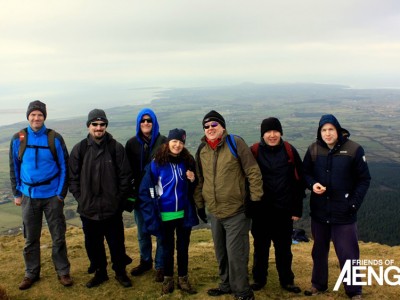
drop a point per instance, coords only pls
(203, 271)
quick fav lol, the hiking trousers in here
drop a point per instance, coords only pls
(32, 217)
(345, 241)
(232, 246)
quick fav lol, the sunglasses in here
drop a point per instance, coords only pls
(146, 120)
(94, 124)
(213, 124)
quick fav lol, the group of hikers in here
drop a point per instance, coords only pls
(237, 188)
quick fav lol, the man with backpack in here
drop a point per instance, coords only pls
(100, 183)
(222, 189)
(39, 179)
(281, 204)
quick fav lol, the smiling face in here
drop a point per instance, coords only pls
(272, 137)
(213, 130)
(97, 129)
(146, 125)
(36, 120)
(175, 146)
(329, 135)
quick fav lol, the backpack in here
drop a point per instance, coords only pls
(289, 151)
(23, 139)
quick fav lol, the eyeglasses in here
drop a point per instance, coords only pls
(146, 120)
(213, 124)
(94, 124)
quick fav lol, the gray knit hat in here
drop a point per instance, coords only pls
(36, 105)
(96, 115)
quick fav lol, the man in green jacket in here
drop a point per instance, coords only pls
(222, 188)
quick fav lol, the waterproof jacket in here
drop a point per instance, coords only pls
(38, 175)
(222, 177)
(100, 180)
(139, 152)
(166, 194)
(344, 172)
(281, 188)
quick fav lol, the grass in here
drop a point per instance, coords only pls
(203, 271)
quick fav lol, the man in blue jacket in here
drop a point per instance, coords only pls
(337, 173)
(39, 180)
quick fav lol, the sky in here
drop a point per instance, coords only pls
(76, 55)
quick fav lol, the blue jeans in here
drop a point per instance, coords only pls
(32, 216)
(145, 243)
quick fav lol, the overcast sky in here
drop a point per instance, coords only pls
(89, 52)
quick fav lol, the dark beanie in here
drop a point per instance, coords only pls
(177, 134)
(36, 105)
(271, 124)
(214, 116)
(96, 115)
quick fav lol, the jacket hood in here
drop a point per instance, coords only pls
(325, 119)
(155, 129)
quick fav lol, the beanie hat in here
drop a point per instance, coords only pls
(271, 124)
(177, 134)
(96, 115)
(36, 105)
(214, 116)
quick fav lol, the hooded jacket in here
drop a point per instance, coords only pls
(344, 172)
(99, 182)
(38, 166)
(140, 152)
(222, 180)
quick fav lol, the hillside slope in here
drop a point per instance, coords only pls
(203, 271)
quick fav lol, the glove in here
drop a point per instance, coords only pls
(251, 208)
(129, 204)
(201, 212)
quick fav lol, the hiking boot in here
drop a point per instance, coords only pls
(215, 292)
(248, 297)
(291, 288)
(159, 275)
(124, 280)
(98, 279)
(257, 286)
(65, 280)
(313, 292)
(141, 268)
(184, 285)
(357, 297)
(168, 285)
(27, 282)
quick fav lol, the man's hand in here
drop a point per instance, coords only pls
(18, 201)
(319, 188)
(201, 212)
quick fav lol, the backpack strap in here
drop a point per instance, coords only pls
(254, 149)
(23, 137)
(289, 151)
(230, 138)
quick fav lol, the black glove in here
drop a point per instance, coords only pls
(201, 212)
(129, 204)
(251, 208)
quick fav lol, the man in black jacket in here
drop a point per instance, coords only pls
(282, 203)
(100, 182)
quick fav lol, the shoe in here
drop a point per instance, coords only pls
(97, 280)
(217, 292)
(159, 275)
(124, 280)
(91, 269)
(249, 297)
(313, 292)
(141, 268)
(168, 285)
(27, 283)
(291, 288)
(257, 286)
(356, 297)
(65, 280)
(185, 286)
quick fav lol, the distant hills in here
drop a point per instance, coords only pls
(371, 115)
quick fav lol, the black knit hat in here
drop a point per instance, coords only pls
(214, 116)
(271, 124)
(96, 115)
(177, 134)
(36, 105)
